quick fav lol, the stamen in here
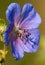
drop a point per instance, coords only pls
(20, 33)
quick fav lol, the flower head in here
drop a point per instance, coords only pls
(22, 32)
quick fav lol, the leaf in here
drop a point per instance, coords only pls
(2, 28)
(2, 25)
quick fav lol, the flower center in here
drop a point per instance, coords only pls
(18, 31)
(16, 28)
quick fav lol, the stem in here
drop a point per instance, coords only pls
(0, 63)
(5, 47)
(4, 62)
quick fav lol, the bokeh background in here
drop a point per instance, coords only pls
(37, 58)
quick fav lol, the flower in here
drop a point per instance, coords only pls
(22, 32)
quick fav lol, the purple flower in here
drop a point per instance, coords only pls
(22, 32)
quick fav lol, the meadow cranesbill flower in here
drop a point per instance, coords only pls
(22, 32)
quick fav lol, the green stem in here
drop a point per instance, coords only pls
(3, 63)
(0, 63)
(4, 47)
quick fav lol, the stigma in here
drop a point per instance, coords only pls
(16, 27)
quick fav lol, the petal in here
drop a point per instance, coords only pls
(31, 42)
(27, 8)
(31, 18)
(7, 33)
(13, 12)
(17, 49)
(31, 24)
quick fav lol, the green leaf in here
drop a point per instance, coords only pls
(2, 25)
(2, 28)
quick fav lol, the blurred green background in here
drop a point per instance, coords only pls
(37, 58)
